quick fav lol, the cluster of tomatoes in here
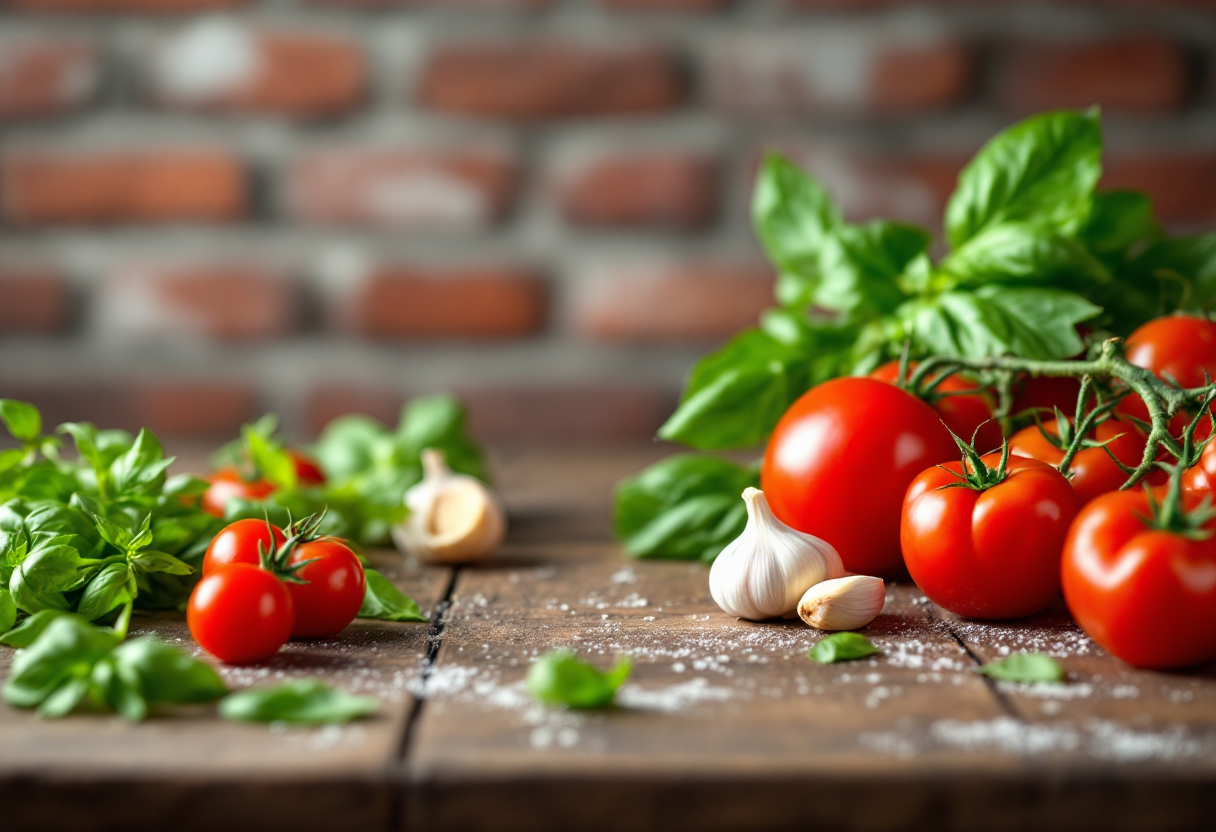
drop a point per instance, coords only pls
(873, 470)
(262, 585)
(230, 483)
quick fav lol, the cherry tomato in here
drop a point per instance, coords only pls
(1092, 471)
(1201, 477)
(1177, 348)
(1148, 596)
(240, 613)
(1046, 394)
(334, 593)
(840, 460)
(308, 472)
(963, 414)
(228, 484)
(238, 543)
(992, 554)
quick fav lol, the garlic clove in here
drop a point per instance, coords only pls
(843, 603)
(765, 570)
(454, 518)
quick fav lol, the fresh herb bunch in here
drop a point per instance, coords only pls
(98, 532)
(368, 468)
(1033, 250)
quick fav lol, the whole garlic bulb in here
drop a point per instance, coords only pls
(454, 518)
(843, 603)
(765, 570)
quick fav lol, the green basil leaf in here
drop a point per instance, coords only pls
(1024, 667)
(272, 461)
(39, 581)
(114, 534)
(387, 603)
(8, 612)
(352, 444)
(1020, 253)
(792, 214)
(152, 561)
(1118, 221)
(23, 420)
(64, 652)
(141, 468)
(85, 437)
(860, 266)
(439, 422)
(1041, 170)
(1185, 266)
(305, 701)
(108, 590)
(560, 678)
(164, 674)
(840, 647)
(25, 633)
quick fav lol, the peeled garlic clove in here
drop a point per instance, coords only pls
(765, 570)
(843, 603)
(454, 518)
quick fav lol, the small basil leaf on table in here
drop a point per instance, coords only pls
(304, 701)
(387, 603)
(840, 647)
(1024, 667)
(561, 678)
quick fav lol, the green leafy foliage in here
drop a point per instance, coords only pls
(1024, 667)
(561, 678)
(387, 603)
(840, 647)
(68, 663)
(308, 701)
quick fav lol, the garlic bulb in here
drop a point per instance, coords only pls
(843, 603)
(764, 571)
(454, 518)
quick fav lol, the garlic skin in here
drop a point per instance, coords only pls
(765, 570)
(843, 603)
(454, 518)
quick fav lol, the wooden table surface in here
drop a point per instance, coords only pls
(723, 725)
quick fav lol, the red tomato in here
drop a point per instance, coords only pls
(334, 593)
(1145, 595)
(1093, 472)
(1046, 394)
(962, 413)
(1201, 477)
(240, 614)
(308, 472)
(238, 543)
(1177, 348)
(228, 484)
(840, 460)
(992, 554)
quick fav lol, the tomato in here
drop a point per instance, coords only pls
(1148, 596)
(1046, 394)
(228, 484)
(238, 543)
(840, 460)
(1093, 472)
(1177, 348)
(334, 593)
(963, 414)
(240, 613)
(991, 554)
(1201, 477)
(308, 472)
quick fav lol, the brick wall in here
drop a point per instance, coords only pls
(211, 208)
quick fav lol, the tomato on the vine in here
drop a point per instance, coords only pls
(1200, 478)
(840, 460)
(238, 543)
(991, 553)
(1177, 348)
(334, 593)
(967, 411)
(1145, 594)
(1092, 471)
(228, 484)
(240, 613)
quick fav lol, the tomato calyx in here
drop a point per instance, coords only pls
(1072, 435)
(977, 475)
(276, 561)
(1170, 513)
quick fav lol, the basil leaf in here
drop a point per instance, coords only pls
(23, 420)
(151, 561)
(387, 603)
(1024, 667)
(107, 591)
(274, 463)
(39, 581)
(1184, 265)
(997, 320)
(25, 633)
(1118, 220)
(439, 422)
(792, 214)
(860, 264)
(560, 678)
(142, 467)
(1041, 170)
(164, 674)
(352, 444)
(1020, 253)
(64, 653)
(8, 612)
(305, 701)
(840, 647)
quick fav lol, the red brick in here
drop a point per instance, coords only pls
(45, 77)
(221, 65)
(672, 302)
(774, 74)
(664, 5)
(408, 302)
(42, 187)
(124, 6)
(1182, 185)
(1132, 74)
(458, 5)
(401, 188)
(656, 188)
(504, 415)
(35, 300)
(549, 79)
(221, 301)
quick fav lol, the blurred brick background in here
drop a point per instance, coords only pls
(213, 208)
